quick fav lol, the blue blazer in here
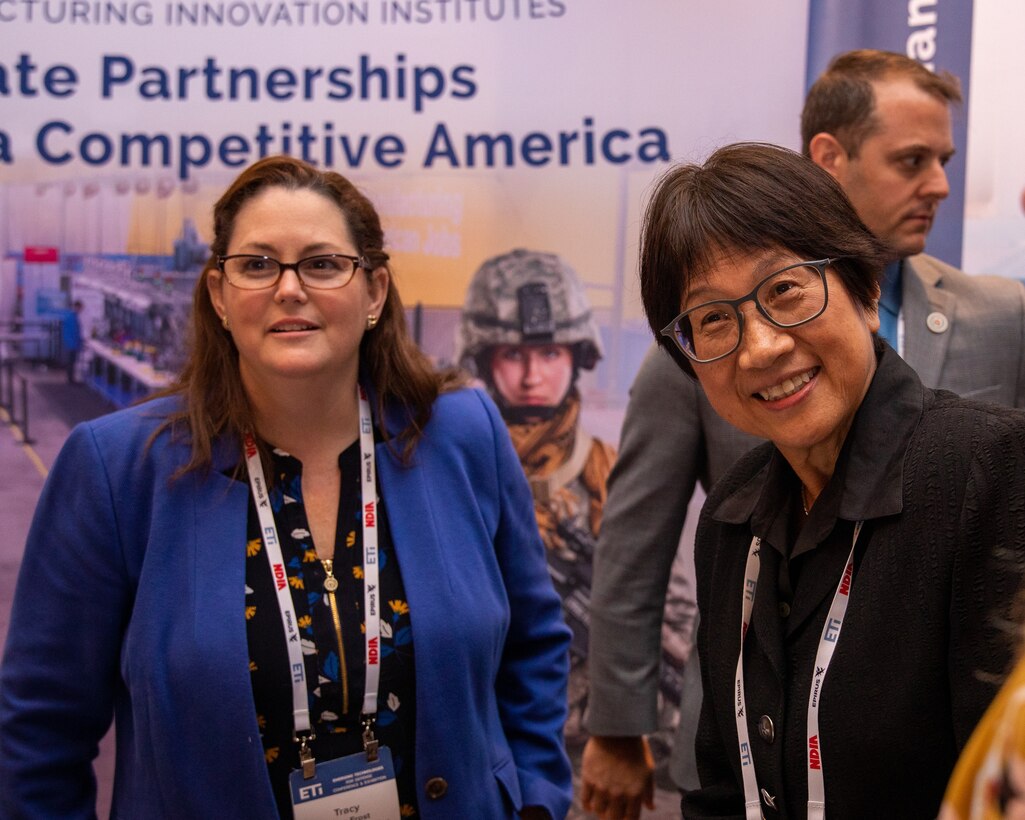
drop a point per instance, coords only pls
(130, 603)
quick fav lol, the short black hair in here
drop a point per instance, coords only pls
(748, 197)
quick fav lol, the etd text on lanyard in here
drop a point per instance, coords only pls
(823, 657)
(269, 532)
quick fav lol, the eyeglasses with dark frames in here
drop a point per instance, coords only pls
(786, 298)
(326, 271)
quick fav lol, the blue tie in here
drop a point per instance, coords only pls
(889, 302)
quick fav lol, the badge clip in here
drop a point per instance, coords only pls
(370, 744)
(306, 759)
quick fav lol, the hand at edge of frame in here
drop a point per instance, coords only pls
(618, 777)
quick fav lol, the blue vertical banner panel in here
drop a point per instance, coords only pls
(938, 35)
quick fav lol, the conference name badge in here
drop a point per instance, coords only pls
(349, 788)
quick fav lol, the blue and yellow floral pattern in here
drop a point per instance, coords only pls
(334, 668)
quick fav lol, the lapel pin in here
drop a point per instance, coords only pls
(937, 322)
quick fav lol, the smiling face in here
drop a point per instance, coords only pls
(287, 332)
(798, 387)
(532, 375)
(897, 179)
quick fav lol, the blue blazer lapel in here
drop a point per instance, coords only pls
(221, 514)
(221, 520)
(414, 533)
(221, 511)
(427, 573)
(203, 612)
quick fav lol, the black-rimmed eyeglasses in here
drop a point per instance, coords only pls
(324, 272)
(787, 298)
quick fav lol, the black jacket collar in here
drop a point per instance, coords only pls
(868, 480)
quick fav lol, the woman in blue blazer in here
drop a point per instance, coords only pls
(168, 571)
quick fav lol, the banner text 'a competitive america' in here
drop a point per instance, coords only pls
(58, 142)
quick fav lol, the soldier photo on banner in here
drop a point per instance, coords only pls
(526, 332)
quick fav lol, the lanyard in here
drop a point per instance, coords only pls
(269, 532)
(823, 657)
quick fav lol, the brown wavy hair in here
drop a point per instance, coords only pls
(214, 401)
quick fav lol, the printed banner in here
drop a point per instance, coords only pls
(476, 126)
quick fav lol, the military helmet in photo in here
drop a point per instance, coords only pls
(526, 297)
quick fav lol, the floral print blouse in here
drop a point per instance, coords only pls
(332, 631)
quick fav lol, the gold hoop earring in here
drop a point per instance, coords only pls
(371, 321)
(224, 321)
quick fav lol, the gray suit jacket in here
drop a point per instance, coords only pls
(963, 333)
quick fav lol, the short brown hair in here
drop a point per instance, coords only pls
(842, 102)
(745, 198)
(215, 402)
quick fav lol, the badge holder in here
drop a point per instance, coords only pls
(356, 787)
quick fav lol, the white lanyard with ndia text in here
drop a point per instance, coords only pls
(823, 657)
(269, 533)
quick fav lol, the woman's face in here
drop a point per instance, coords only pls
(532, 375)
(798, 387)
(288, 331)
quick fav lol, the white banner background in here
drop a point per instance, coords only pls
(681, 74)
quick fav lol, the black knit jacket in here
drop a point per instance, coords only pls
(940, 484)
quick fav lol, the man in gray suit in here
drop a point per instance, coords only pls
(880, 124)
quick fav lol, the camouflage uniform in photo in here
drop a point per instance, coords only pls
(525, 297)
(529, 297)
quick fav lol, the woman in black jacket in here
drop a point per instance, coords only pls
(852, 571)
